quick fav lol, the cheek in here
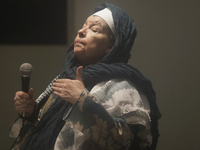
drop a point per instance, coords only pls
(101, 46)
(94, 48)
(97, 42)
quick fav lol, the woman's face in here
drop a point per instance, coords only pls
(92, 42)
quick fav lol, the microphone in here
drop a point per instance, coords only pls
(26, 70)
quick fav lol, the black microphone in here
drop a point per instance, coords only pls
(26, 70)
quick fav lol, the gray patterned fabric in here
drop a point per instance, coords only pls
(121, 100)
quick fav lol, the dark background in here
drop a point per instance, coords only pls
(33, 22)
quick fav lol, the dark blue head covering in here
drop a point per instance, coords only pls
(124, 36)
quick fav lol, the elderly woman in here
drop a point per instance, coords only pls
(98, 101)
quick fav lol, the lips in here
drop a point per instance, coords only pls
(77, 42)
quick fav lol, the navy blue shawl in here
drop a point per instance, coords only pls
(113, 65)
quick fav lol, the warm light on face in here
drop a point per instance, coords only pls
(92, 42)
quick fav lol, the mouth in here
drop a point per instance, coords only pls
(78, 42)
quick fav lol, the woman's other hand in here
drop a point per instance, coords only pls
(70, 90)
(24, 103)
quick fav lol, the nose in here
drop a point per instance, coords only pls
(82, 32)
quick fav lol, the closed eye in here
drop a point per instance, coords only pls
(95, 29)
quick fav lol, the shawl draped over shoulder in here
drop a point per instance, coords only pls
(113, 65)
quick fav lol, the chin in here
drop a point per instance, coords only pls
(78, 48)
(78, 53)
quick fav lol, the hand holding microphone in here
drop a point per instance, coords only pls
(24, 102)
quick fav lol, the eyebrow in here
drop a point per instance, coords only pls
(95, 23)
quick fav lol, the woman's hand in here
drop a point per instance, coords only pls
(24, 103)
(69, 90)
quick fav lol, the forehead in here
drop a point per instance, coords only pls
(95, 20)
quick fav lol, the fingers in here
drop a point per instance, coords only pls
(24, 107)
(68, 89)
(79, 73)
(21, 95)
(59, 94)
(24, 102)
(58, 83)
(57, 89)
(30, 92)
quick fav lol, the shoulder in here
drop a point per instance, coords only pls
(120, 92)
(113, 85)
(122, 99)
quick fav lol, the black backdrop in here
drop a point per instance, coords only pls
(33, 22)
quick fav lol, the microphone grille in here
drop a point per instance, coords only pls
(26, 69)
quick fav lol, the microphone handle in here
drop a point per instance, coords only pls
(25, 84)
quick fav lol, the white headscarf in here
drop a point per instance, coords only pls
(106, 15)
